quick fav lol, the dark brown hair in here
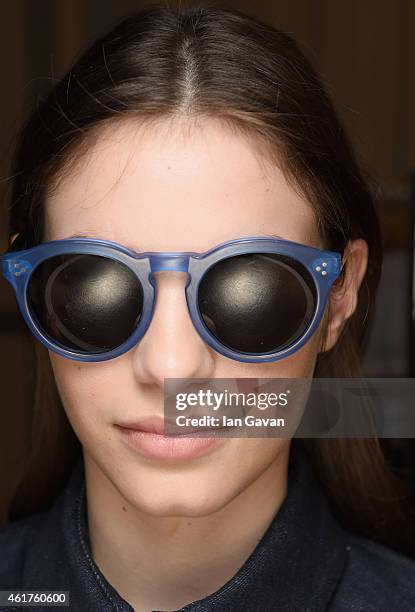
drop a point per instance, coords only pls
(201, 61)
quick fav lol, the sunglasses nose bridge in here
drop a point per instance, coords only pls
(169, 261)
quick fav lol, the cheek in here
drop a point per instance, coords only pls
(244, 462)
(258, 455)
(298, 368)
(85, 391)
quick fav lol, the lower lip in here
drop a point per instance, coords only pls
(158, 446)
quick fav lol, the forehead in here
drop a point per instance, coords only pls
(162, 187)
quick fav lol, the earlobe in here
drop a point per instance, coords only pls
(332, 332)
(344, 295)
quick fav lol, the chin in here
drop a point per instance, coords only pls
(193, 499)
(176, 507)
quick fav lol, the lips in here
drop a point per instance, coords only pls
(155, 425)
(146, 437)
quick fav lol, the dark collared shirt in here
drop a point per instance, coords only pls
(305, 562)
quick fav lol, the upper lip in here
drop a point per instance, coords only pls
(153, 424)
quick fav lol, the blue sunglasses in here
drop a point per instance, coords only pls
(255, 299)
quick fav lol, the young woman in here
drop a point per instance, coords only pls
(194, 131)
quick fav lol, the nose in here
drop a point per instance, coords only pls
(171, 346)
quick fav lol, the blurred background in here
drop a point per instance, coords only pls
(365, 52)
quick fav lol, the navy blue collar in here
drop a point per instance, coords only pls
(296, 566)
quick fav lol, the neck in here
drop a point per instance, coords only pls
(166, 562)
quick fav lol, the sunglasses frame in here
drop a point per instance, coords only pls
(18, 265)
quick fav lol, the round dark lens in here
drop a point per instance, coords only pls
(85, 302)
(257, 303)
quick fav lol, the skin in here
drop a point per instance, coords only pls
(165, 533)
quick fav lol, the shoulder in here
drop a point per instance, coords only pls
(15, 537)
(376, 579)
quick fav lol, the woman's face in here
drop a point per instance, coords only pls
(158, 190)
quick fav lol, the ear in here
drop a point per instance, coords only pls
(343, 294)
